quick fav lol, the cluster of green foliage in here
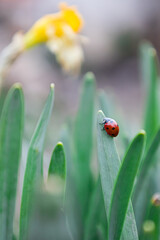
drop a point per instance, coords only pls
(74, 202)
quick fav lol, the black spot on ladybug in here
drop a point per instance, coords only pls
(113, 128)
(107, 128)
(112, 134)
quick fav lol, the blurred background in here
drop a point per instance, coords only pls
(114, 30)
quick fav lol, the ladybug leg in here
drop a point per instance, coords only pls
(102, 123)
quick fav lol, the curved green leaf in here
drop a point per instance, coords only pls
(47, 219)
(57, 168)
(109, 164)
(34, 163)
(124, 185)
(148, 230)
(83, 137)
(153, 214)
(106, 105)
(141, 193)
(11, 132)
(101, 233)
(58, 163)
(94, 217)
(71, 198)
(145, 62)
(152, 110)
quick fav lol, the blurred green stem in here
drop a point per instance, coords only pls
(10, 54)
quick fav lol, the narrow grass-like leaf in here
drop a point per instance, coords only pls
(57, 168)
(58, 163)
(109, 164)
(124, 186)
(83, 137)
(141, 193)
(145, 62)
(107, 107)
(94, 217)
(11, 131)
(48, 220)
(74, 221)
(34, 158)
(66, 138)
(148, 230)
(145, 178)
(152, 110)
(147, 163)
(14, 237)
(101, 233)
(153, 214)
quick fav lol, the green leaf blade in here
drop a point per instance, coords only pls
(57, 168)
(34, 162)
(141, 193)
(109, 164)
(146, 179)
(11, 133)
(145, 62)
(148, 230)
(153, 215)
(150, 72)
(58, 163)
(71, 198)
(82, 138)
(124, 185)
(84, 120)
(95, 217)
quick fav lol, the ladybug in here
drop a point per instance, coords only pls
(111, 126)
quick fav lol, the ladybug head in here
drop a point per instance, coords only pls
(105, 120)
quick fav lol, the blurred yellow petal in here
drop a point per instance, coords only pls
(68, 54)
(71, 17)
(71, 58)
(60, 32)
(68, 16)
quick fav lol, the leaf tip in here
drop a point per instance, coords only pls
(100, 116)
(152, 52)
(17, 86)
(60, 144)
(90, 77)
(52, 86)
(100, 112)
(142, 132)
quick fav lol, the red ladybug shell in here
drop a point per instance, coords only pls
(111, 127)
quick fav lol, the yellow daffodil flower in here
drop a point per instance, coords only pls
(60, 32)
